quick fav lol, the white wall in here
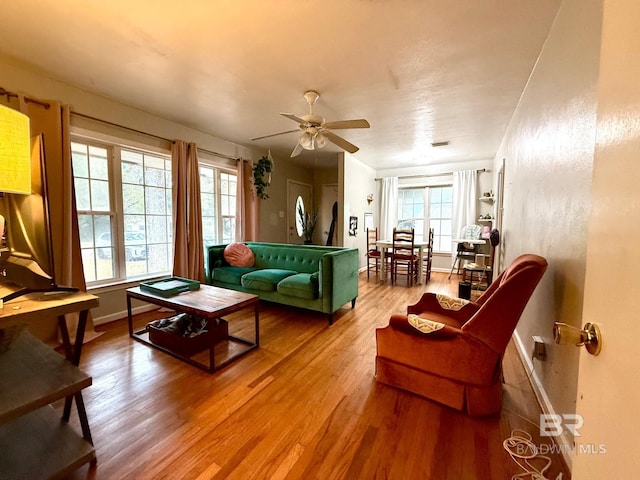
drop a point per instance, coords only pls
(548, 150)
(356, 180)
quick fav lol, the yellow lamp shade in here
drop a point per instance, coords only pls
(15, 152)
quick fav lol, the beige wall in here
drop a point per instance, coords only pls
(324, 177)
(548, 151)
(358, 181)
(273, 224)
(18, 78)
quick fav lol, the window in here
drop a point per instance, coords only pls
(437, 202)
(411, 211)
(440, 211)
(218, 199)
(123, 198)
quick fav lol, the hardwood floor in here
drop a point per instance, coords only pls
(305, 405)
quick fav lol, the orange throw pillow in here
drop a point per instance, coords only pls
(239, 255)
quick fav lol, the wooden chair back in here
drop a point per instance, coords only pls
(372, 238)
(403, 243)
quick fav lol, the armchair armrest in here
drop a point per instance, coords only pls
(456, 308)
(402, 324)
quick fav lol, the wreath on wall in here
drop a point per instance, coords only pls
(262, 176)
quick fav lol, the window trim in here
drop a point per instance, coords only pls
(218, 169)
(428, 190)
(114, 145)
(428, 209)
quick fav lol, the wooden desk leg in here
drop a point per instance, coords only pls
(73, 355)
(82, 414)
(129, 317)
(82, 326)
(64, 333)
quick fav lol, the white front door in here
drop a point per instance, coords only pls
(295, 190)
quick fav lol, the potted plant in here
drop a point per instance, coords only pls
(308, 222)
(262, 176)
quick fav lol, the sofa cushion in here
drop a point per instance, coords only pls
(230, 274)
(266, 279)
(301, 285)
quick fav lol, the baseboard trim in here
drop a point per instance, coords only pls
(123, 314)
(564, 442)
(440, 269)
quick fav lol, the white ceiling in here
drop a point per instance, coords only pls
(420, 71)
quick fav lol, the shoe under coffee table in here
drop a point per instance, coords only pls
(211, 303)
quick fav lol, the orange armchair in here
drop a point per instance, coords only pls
(459, 361)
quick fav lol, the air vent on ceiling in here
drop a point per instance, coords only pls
(440, 144)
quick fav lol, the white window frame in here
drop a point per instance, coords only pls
(419, 235)
(220, 219)
(427, 220)
(114, 146)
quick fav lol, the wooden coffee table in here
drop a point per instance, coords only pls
(208, 302)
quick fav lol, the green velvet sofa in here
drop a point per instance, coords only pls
(313, 277)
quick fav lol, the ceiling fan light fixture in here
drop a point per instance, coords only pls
(306, 141)
(321, 140)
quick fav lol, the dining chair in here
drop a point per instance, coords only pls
(427, 258)
(374, 255)
(404, 260)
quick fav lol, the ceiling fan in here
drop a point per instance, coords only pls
(316, 131)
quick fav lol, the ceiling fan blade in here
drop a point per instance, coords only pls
(341, 142)
(295, 118)
(359, 123)
(297, 150)
(275, 134)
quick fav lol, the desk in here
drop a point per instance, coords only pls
(385, 245)
(35, 443)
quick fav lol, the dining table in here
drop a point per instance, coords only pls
(386, 246)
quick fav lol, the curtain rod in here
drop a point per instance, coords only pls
(216, 154)
(480, 170)
(8, 94)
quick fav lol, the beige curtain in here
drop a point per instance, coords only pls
(52, 121)
(247, 203)
(188, 261)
